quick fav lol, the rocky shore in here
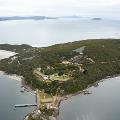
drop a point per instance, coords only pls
(37, 113)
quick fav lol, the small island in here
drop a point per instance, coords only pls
(96, 18)
(60, 71)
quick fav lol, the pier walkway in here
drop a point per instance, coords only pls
(25, 105)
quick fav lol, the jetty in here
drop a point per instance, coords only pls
(25, 105)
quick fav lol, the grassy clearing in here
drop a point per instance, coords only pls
(44, 97)
(59, 78)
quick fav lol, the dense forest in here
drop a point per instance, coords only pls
(99, 59)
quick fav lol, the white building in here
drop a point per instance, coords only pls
(46, 77)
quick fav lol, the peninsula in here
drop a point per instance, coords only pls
(58, 71)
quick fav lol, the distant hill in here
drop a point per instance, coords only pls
(6, 18)
(26, 18)
(35, 17)
(15, 48)
(96, 18)
(74, 16)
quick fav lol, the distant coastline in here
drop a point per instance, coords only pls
(96, 18)
(9, 18)
(26, 18)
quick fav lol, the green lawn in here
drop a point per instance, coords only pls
(60, 78)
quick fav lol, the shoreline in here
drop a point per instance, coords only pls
(56, 112)
(11, 76)
(89, 86)
(55, 115)
(18, 78)
(23, 85)
(66, 97)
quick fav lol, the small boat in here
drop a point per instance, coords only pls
(22, 91)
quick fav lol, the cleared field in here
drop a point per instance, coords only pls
(51, 77)
(44, 97)
(59, 78)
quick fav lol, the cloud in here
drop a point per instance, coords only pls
(57, 7)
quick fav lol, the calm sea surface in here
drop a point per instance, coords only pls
(102, 104)
(10, 95)
(48, 32)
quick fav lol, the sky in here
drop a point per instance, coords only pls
(106, 8)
